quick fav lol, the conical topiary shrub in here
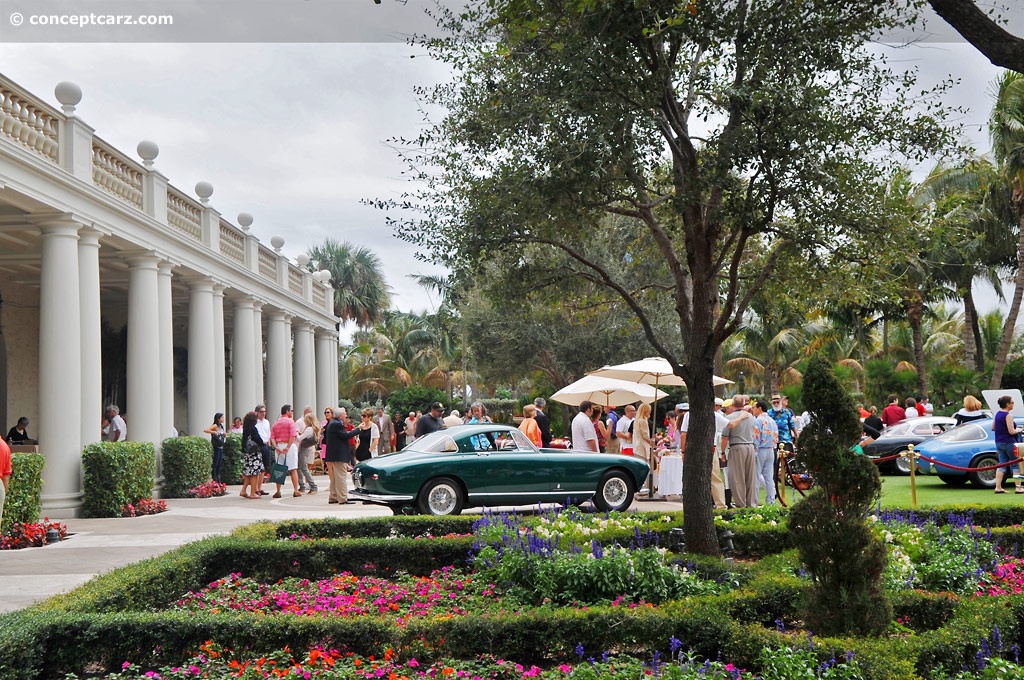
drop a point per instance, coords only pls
(830, 529)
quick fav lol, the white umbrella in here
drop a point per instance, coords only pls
(651, 371)
(606, 391)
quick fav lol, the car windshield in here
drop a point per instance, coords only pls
(968, 432)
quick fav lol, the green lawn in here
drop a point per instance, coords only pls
(932, 491)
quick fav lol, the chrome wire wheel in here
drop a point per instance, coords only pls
(441, 497)
(615, 492)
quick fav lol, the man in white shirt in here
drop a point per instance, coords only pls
(118, 431)
(584, 436)
(622, 430)
(453, 419)
(263, 428)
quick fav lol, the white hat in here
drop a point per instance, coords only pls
(683, 407)
(719, 401)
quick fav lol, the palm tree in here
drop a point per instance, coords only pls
(361, 293)
(1006, 129)
(771, 351)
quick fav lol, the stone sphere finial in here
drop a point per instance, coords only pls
(302, 260)
(148, 151)
(277, 242)
(244, 221)
(323, 276)
(204, 190)
(68, 94)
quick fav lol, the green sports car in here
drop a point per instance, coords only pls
(491, 465)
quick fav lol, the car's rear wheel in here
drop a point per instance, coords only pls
(614, 492)
(985, 479)
(954, 480)
(441, 496)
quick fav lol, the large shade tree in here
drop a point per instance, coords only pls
(740, 143)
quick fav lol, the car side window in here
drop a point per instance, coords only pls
(480, 442)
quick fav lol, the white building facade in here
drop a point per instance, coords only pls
(91, 239)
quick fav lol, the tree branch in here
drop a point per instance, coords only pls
(1000, 46)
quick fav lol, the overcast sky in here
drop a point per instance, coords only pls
(296, 133)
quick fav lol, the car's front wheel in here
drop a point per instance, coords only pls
(902, 464)
(986, 479)
(441, 496)
(614, 492)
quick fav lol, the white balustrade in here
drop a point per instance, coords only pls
(184, 214)
(116, 173)
(28, 123)
(232, 243)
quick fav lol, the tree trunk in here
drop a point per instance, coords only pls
(915, 316)
(770, 381)
(1011, 316)
(699, 528)
(970, 351)
(979, 342)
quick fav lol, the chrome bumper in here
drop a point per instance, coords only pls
(358, 495)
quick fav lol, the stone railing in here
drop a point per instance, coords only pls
(31, 124)
(268, 263)
(232, 243)
(184, 214)
(116, 173)
(295, 281)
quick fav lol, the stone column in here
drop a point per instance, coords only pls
(60, 369)
(326, 391)
(243, 378)
(303, 378)
(279, 391)
(144, 384)
(334, 365)
(257, 324)
(166, 313)
(201, 366)
(89, 303)
(220, 396)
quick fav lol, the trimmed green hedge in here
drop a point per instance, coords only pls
(231, 467)
(187, 462)
(116, 474)
(24, 490)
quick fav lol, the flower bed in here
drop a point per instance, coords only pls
(444, 594)
(549, 593)
(215, 662)
(210, 489)
(33, 534)
(146, 506)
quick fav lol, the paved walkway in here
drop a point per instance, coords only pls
(95, 546)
